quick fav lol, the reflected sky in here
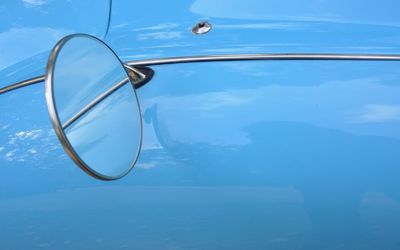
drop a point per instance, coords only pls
(296, 172)
(239, 155)
(30, 28)
(255, 26)
(356, 101)
(84, 70)
(368, 12)
(107, 137)
(220, 125)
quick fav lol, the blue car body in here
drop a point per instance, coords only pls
(285, 154)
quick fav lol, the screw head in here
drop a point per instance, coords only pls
(201, 28)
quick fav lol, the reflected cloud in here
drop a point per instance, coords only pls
(10, 155)
(275, 26)
(147, 165)
(118, 26)
(162, 35)
(162, 31)
(34, 3)
(25, 145)
(241, 49)
(376, 113)
(308, 10)
(162, 26)
(379, 199)
(164, 46)
(33, 134)
(140, 56)
(270, 91)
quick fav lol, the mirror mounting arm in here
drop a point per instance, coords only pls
(139, 75)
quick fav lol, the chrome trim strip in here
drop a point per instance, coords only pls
(22, 84)
(93, 103)
(231, 57)
(250, 57)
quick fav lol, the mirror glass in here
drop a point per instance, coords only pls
(93, 106)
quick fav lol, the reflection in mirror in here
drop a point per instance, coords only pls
(93, 106)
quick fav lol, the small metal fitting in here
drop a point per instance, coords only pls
(201, 28)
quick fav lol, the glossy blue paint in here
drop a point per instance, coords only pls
(30, 28)
(236, 155)
(254, 26)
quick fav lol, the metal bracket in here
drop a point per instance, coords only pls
(139, 75)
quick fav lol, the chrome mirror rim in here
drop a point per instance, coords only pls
(55, 120)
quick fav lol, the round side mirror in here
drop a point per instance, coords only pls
(93, 106)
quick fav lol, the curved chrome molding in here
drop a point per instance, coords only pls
(22, 84)
(251, 57)
(142, 79)
(231, 57)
